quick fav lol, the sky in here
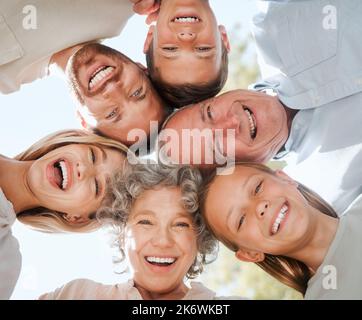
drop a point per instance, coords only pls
(43, 107)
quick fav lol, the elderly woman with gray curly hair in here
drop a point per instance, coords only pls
(160, 233)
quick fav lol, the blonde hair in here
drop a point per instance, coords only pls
(43, 219)
(289, 271)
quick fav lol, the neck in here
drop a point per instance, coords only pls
(290, 114)
(18, 192)
(315, 247)
(61, 58)
(175, 294)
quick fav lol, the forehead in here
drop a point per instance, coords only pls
(160, 199)
(230, 182)
(173, 70)
(185, 118)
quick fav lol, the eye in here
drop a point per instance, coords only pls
(258, 187)
(203, 49)
(182, 224)
(93, 155)
(96, 186)
(241, 221)
(144, 222)
(171, 49)
(137, 94)
(209, 112)
(112, 114)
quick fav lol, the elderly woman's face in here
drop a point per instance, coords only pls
(160, 241)
(72, 179)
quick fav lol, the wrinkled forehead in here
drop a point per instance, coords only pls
(182, 118)
(242, 94)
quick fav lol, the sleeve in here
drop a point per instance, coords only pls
(10, 257)
(79, 289)
(10, 263)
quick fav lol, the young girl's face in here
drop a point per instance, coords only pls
(160, 241)
(259, 213)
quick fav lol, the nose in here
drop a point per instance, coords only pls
(261, 209)
(83, 171)
(186, 36)
(162, 238)
(231, 122)
(114, 89)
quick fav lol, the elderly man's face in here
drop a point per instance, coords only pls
(258, 121)
(115, 93)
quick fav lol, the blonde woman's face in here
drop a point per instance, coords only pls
(259, 212)
(160, 241)
(72, 179)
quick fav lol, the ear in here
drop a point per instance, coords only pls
(149, 39)
(249, 256)
(142, 67)
(224, 37)
(82, 120)
(282, 175)
(73, 219)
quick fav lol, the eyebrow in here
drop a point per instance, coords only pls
(183, 215)
(143, 212)
(197, 56)
(231, 210)
(116, 119)
(202, 112)
(104, 154)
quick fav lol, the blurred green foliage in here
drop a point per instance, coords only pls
(227, 275)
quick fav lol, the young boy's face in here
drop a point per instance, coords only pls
(187, 43)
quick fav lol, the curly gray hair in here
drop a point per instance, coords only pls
(129, 184)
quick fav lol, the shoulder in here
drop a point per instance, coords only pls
(7, 213)
(355, 208)
(85, 289)
(75, 289)
(199, 292)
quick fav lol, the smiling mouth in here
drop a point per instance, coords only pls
(61, 174)
(161, 262)
(99, 75)
(279, 219)
(252, 122)
(186, 19)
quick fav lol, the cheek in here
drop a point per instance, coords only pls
(135, 240)
(188, 243)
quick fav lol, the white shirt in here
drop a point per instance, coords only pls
(310, 50)
(339, 276)
(10, 257)
(84, 289)
(325, 147)
(25, 53)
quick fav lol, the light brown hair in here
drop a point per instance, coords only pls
(289, 271)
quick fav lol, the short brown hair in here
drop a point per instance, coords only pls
(183, 94)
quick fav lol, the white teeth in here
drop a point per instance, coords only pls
(161, 260)
(279, 219)
(63, 167)
(251, 123)
(187, 19)
(99, 75)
